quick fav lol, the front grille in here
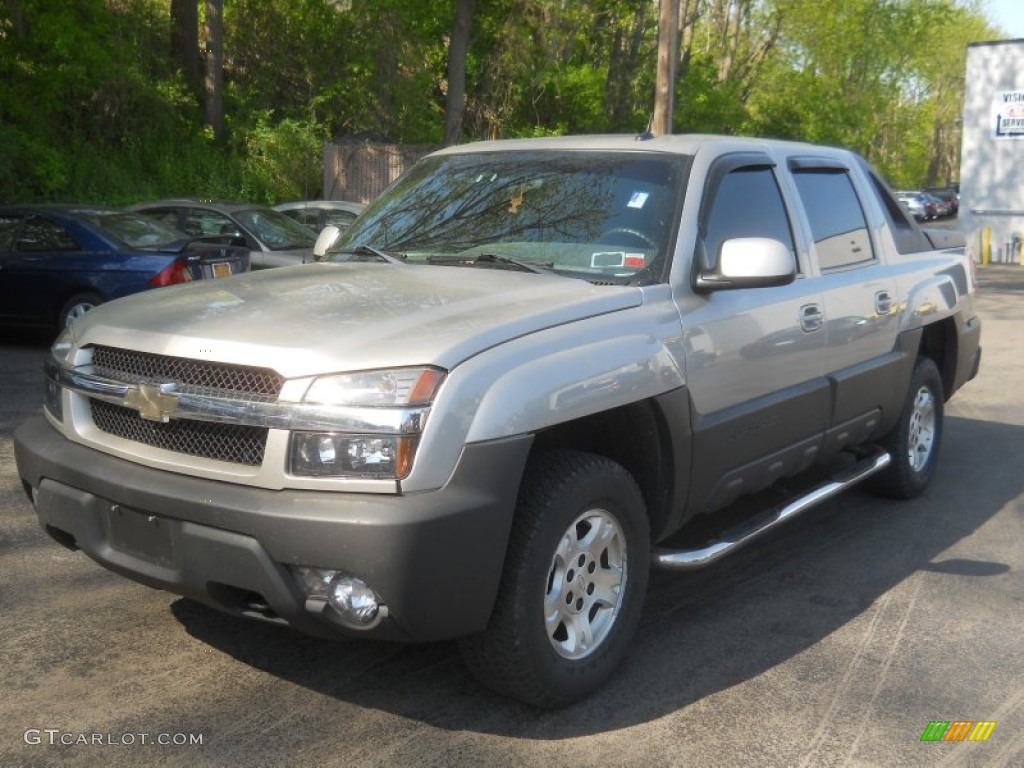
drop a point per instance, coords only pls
(235, 443)
(223, 379)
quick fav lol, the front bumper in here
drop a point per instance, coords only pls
(434, 558)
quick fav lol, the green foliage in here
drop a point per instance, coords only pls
(92, 108)
(282, 160)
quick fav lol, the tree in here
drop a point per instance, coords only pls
(98, 101)
(185, 42)
(625, 61)
(215, 67)
(668, 46)
(455, 104)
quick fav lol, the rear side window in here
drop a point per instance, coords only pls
(905, 232)
(202, 222)
(41, 234)
(747, 203)
(837, 221)
(9, 226)
(168, 216)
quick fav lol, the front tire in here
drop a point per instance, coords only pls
(914, 442)
(572, 590)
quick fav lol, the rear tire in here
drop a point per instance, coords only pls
(914, 442)
(572, 590)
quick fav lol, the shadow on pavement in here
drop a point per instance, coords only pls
(701, 632)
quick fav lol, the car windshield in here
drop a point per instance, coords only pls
(588, 213)
(134, 229)
(275, 230)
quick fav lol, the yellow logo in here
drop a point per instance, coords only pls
(154, 402)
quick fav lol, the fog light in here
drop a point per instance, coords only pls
(316, 581)
(353, 599)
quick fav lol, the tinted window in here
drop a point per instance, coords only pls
(41, 234)
(168, 216)
(307, 217)
(747, 203)
(907, 235)
(277, 231)
(9, 224)
(340, 219)
(837, 221)
(202, 222)
(133, 229)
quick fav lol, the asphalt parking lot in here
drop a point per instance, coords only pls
(833, 642)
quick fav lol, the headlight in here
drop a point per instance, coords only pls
(332, 454)
(61, 348)
(60, 353)
(403, 386)
(380, 451)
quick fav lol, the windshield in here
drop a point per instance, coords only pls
(275, 230)
(133, 229)
(595, 213)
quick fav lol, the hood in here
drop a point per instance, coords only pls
(322, 318)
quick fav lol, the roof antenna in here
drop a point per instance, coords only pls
(647, 135)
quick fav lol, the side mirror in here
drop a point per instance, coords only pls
(748, 262)
(325, 240)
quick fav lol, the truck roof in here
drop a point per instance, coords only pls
(684, 144)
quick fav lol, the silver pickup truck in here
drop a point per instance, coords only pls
(528, 373)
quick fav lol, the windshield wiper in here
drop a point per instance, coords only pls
(369, 250)
(492, 258)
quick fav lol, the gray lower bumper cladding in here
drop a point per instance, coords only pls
(434, 558)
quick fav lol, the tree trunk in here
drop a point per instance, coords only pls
(688, 25)
(17, 18)
(936, 154)
(185, 42)
(623, 61)
(732, 13)
(455, 104)
(668, 45)
(215, 67)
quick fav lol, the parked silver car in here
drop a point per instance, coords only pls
(916, 204)
(273, 239)
(317, 214)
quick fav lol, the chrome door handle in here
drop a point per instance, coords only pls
(811, 317)
(883, 303)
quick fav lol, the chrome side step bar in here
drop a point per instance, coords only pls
(734, 538)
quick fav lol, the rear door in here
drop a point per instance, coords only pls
(753, 355)
(860, 301)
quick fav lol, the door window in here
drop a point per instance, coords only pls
(747, 203)
(837, 221)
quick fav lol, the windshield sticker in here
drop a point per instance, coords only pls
(635, 260)
(607, 259)
(637, 200)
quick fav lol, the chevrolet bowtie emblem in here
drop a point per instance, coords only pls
(154, 402)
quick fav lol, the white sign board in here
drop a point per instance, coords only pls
(1008, 115)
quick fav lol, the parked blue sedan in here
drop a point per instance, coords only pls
(58, 262)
